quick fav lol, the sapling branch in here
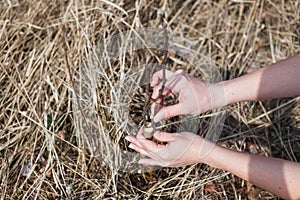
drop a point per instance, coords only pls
(165, 59)
(149, 127)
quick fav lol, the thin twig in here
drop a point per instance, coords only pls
(160, 98)
(165, 59)
(147, 104)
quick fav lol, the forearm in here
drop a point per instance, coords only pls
(277, 176)
(275, 81)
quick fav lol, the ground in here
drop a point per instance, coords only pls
(43, 46)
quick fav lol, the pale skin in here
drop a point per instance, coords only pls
(278, 176)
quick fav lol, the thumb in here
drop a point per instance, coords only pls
(164, 136)
(167, 112)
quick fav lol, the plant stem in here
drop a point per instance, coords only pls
(163, 81)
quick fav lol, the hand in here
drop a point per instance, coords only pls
(195, 96)
(180, 149)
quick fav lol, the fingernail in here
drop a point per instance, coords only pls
(140, 162)
(131, 146)
(157, 117)
(126, 138)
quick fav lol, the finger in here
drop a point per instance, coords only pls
(150, 146)
(164, 136)
(140, 134)
(157, 76)
(149, 161)
(172, 84)
(180, 71)
(132, 139)
(167, 112)
(156, 91)
(154, 109)
(138, 149)
(144, 143)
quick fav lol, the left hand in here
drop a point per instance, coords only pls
(180, 149)
(194, 95)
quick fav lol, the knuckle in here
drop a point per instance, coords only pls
(168, 113)
(159, 72)
(180, 71)
(156, 75)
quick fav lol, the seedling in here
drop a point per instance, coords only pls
(149, 126)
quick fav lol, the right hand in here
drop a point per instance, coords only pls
(180, 149)
(194, 95)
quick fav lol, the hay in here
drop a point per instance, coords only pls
(42, 153)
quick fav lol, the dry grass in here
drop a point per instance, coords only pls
(42, 153)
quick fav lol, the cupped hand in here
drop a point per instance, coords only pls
(194, 95)
(180, 149)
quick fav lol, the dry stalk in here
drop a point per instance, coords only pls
(65, 47)
(40, 152)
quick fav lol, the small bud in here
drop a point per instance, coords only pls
(158, 101)
(148, 132)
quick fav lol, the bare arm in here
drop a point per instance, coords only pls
(280, 177)
(278, 80)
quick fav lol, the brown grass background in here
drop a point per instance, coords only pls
(41, 155)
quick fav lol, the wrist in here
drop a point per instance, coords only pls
(217, 95)
(229, 92)
(205, 151)
(226, 159)
(244, 88)
(212, 157)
